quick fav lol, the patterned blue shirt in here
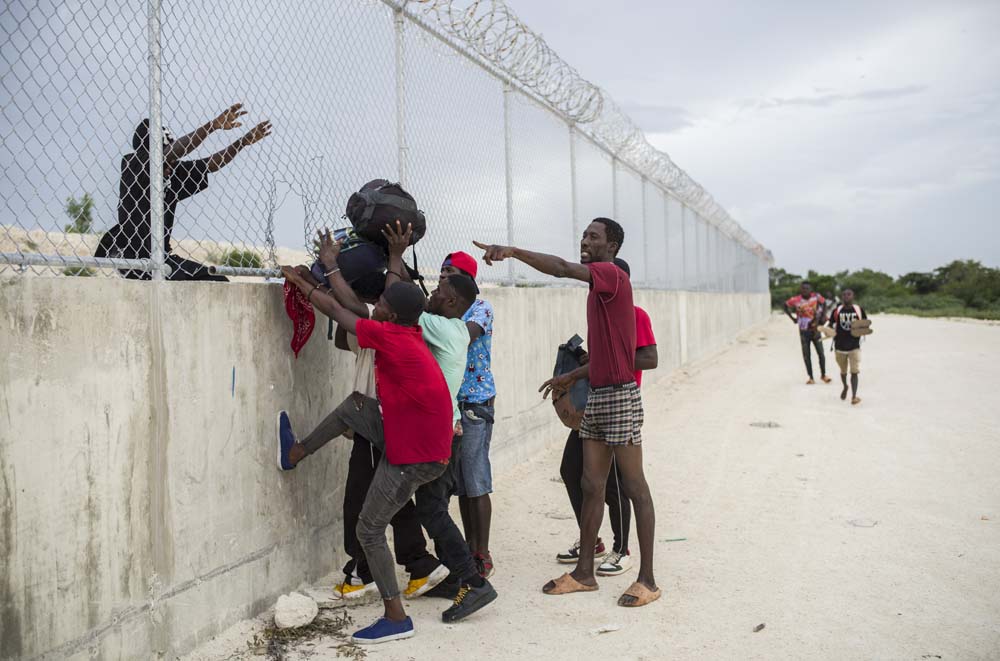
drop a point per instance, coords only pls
(478, 386)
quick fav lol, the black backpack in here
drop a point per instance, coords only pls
(570, 406)
(380, 203)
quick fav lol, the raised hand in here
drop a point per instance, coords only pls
(495, 253)
(397, 239)
(258, 133)
(229, 118)
(327, 248)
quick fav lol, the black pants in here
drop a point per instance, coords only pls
(432, 510)
(408, 540)
(812, 338)
(619, 508)
(181, 270)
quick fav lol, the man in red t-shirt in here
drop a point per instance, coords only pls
(612, 421)
(417, 414)
(619, 560)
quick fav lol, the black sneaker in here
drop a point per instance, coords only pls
(468, 601)
(446, 589)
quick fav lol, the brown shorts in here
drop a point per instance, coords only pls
(852, 358)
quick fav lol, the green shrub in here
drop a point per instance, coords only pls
(79, 271)
(246, 259)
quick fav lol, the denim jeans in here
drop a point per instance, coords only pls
(357, 412)
(390, 490)
(473, 472)
(432, 512)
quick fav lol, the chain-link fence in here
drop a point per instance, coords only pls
(161, 138)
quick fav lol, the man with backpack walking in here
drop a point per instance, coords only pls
(846, 344)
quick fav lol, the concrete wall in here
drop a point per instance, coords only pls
(140, 508)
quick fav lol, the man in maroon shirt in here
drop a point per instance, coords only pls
(612, 421)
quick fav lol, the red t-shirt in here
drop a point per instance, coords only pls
(643, 336)
(414, 397)
(610, 326)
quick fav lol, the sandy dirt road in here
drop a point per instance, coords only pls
(867, 532)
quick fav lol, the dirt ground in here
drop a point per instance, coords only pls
(866, 532)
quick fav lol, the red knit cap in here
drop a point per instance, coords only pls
(463, 262)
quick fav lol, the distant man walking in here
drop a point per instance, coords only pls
(807, 306)
(845, 344)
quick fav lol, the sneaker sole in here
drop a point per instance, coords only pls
(383, 639)
(573, 561)
(360, 594)
(613, 572)
(434, 579)
(483, 603)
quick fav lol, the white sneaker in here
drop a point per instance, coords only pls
(614, 564)
(573, 554)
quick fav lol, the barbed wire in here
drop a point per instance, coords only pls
(493, 32)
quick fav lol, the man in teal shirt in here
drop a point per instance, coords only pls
(448, 338)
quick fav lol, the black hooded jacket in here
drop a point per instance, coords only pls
(129, 239)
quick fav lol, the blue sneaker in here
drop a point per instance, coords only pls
(286, 439)
(383, 631)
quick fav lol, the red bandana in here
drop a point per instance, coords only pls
(300, 311)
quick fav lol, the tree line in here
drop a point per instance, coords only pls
(963, 288)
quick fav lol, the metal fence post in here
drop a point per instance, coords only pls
(684, 277)
(614, 188)
(645, 236)
(574, 210)
(400, 107)
(508, 175)
(155, 144)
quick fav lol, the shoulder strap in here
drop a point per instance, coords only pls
(857, 310)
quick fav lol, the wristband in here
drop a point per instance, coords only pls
(309, 297)
(331, 272)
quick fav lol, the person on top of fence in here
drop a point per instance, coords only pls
(130, 238)
(612, 421)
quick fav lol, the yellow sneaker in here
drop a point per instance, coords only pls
(420, 586)
(353, 588)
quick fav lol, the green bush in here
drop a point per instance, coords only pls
(961, 288)
(246, 259)
(78, 271)
(80, 212)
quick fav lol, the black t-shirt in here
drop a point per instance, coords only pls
(841, 319)
(130, 237)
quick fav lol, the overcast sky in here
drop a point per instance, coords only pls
(842, 135)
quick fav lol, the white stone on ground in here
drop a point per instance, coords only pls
(294, 610)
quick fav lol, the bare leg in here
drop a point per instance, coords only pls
(854, 386)
(629, 459)
(843, 379)
(482, 514)
(468, 520)
(596, 465)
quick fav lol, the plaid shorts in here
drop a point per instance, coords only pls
(613, 415)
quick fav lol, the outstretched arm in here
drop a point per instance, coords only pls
(329, 250)
(322, 298)
(227, 119)
(548, 264)
(221, 159)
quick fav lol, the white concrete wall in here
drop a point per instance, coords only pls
(140, 508)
